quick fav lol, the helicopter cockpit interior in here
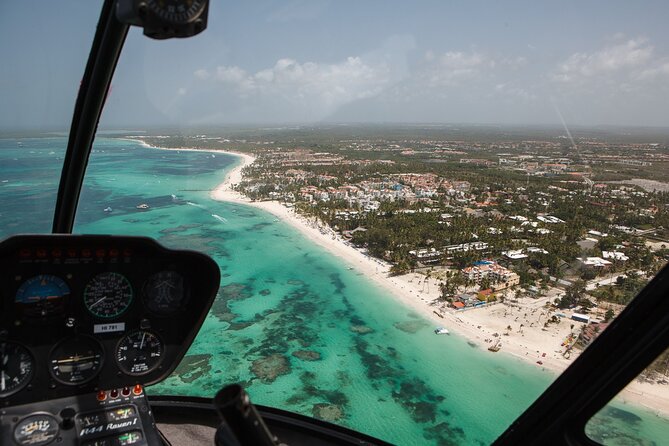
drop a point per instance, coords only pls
(88, 321)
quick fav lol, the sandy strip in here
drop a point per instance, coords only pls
(530, 343)
(409, 289)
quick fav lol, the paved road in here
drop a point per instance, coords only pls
(604, 281)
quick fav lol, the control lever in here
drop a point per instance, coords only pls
(241, 424)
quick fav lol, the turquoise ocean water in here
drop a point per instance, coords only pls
(291, 323)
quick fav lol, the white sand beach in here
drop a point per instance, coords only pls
(477, 325)
(531, 342)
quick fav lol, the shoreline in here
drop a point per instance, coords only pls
(478, 326)
(401, 287)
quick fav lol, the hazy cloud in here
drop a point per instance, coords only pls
(455, 68)
(515, 92)
(452, 67)
(315, 87)
(202, 74)
(233, 75)
(660, 70)
(475, 83)
(623, 57)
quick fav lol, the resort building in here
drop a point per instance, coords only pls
(499, 277)
(594, 263)
(427, 255)
(615, 255)
(514, 254)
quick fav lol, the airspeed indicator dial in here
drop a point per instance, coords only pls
(108, 295)
(139, 352)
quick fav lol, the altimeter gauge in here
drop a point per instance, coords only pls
(16, 368)
(139, 352)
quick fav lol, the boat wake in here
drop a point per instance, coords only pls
(219, 218)
(195, 204)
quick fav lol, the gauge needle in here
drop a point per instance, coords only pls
(2, 380)
(75, 359)
(97, 302)
(141, 344)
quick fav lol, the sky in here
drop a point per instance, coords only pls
(269, 62)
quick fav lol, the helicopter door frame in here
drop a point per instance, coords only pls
(102, 60)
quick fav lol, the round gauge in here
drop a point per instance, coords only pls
(42, 295)
(108, 295)
(176, 11)
(76, 360)
(164, 293)
(36, 430)
(16, 368)
(139, 352)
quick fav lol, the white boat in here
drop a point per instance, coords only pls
(441, 330)
(108, 209)
(142, 206)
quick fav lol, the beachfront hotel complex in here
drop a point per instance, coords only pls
(499, 277)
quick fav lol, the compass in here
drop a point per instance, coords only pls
(163, 19)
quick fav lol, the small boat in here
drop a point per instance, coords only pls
(496, 347)
(441, 330)
(108, 209)
(142, 206)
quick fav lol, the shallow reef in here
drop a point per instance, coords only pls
(269, 368)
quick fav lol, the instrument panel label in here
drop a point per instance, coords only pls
(108, 328)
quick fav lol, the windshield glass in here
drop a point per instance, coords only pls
(42, 65)
(422, 215)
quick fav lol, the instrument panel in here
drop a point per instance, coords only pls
(83, 313)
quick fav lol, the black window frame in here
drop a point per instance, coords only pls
(621, 352)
